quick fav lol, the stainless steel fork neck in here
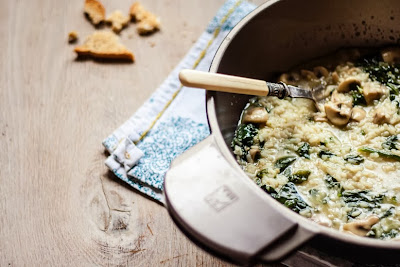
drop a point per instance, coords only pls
(279, 90)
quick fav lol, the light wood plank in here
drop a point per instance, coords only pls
(59, 203)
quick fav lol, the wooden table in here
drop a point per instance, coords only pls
(59, 204)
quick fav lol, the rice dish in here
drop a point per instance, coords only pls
(338, 164)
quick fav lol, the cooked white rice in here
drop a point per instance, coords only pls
(293, 122)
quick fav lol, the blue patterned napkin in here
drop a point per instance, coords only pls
(174, 118)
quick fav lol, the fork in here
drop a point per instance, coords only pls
(248, 86)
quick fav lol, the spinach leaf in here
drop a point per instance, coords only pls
(332, 183)
(262, 173)
(393, 88)
(362, 199)
(354, 213)
(313, 192)
(358, 97)
(390, 234)
(270, 190)
(299, 176)
(289, 197)
(354, 159)
(304, 150)
(325, 153)
(287, 172)
(388, 213)
(386, 74)
(381, 153)
(244, 135)
(284, 162)
(390, 142)
(397, 103)
(382, 72)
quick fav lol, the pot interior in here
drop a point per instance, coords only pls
(282, 34)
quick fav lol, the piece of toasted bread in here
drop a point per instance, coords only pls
(118, 21)
(104, 44)
(137, 11)
(95, 10)
(148, 25)
(148, 22)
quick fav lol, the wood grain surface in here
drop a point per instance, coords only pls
(59, 204)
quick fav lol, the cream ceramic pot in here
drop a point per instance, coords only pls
(208, 195)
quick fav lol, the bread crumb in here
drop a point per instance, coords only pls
(118, 21)
(148, 25)
(152, 44)
(95, 10)
(148, 22)
(106, 45)
(137, 11)
(72, 37)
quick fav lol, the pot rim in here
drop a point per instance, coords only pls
(225, 150)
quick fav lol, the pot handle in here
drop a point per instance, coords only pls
(222, 210)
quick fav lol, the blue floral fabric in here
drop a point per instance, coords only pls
(162, 145)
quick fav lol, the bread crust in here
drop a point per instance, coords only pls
(118, 21)
(95, 10)
(137, 11)
(148, 22)
(106, 45)
(149, 25)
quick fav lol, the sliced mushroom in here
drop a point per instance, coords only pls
(380, 116)
(335, 77)
(320, 117)
(255, 115)
(253, 152)
(338, 110)
(309, 75)
(372, 93)
(321, 71)
(391, 55)
(348, 85)
(358, 114)
(361, 227)
(339, 115)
